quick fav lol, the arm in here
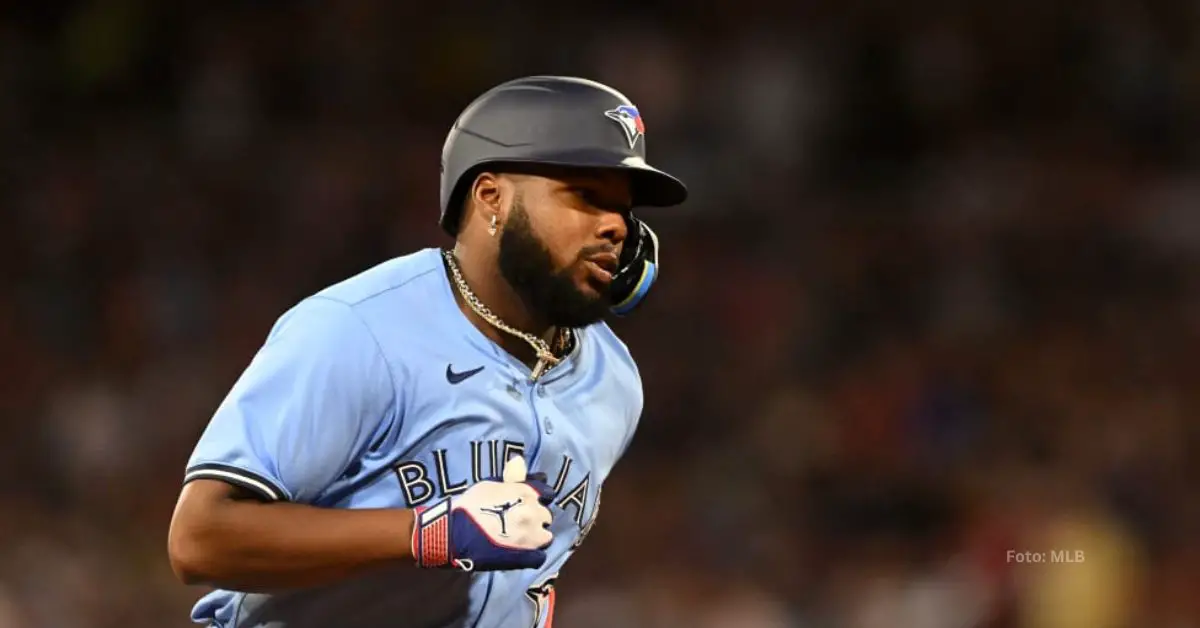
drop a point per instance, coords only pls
(221, 538)
(309, 404)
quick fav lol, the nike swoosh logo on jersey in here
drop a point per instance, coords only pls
(458, 378)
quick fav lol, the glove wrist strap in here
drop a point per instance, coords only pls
(431, 535)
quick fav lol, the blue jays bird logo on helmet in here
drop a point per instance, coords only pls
(631, 122)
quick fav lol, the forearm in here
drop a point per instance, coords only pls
(250, 546)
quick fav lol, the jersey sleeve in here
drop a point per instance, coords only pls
(311, 401)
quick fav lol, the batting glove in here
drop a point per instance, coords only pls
(494, 525)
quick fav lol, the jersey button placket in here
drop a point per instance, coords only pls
(545, 409)
(531, 389)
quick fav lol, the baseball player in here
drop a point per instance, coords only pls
(424, 444)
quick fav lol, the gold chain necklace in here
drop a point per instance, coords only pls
(546, 357)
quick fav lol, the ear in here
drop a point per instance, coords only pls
(486, 194)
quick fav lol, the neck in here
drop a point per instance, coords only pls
(484, 279)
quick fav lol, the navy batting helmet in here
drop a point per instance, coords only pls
(570, 122)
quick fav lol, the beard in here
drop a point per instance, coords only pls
(526, 263)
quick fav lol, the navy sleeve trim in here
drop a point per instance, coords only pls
(253, 482)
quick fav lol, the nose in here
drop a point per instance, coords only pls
(613, 227)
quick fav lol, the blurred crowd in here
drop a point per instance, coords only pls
(931, 305)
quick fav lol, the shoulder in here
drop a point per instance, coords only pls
(618, 363)
(624, 381)
(393, 300)
(397, 279)
(359, 316)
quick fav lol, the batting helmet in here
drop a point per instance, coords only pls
(570, 122)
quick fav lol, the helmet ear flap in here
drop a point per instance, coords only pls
(639, 268)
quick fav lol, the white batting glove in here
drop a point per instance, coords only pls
(494, 525)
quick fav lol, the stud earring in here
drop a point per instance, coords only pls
(492, 226)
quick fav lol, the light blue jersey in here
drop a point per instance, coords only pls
(378, 392)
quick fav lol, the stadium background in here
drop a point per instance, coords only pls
(934, 297)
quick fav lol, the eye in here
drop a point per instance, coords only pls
(585, 195)
(594, 199)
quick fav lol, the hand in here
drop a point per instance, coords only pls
(494, 525)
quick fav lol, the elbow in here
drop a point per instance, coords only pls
(187, 573)
(198, 538)
(196, 546)
(191, 560)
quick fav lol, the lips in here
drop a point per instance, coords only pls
(603, 266)
(606, 261)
